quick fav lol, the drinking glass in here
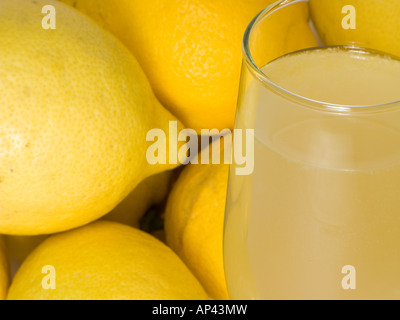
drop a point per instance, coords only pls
(319, 217)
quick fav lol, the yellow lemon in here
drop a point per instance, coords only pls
(149, 192)
(194, 219)
(75, 111)
(4, 271)
(376, 23)
(190, 50)
(104, 261)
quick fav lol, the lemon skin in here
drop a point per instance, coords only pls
(76, 110)
(105, 261)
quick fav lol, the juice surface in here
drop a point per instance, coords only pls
(338, 75)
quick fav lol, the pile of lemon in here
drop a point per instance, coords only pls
(77, 103)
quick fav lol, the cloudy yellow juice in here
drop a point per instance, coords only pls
(320, 216)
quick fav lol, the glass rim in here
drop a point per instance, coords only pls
(311, 103)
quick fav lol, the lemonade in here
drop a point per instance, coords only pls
(325, 193)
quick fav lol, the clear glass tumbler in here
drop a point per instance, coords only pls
(319, 218)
